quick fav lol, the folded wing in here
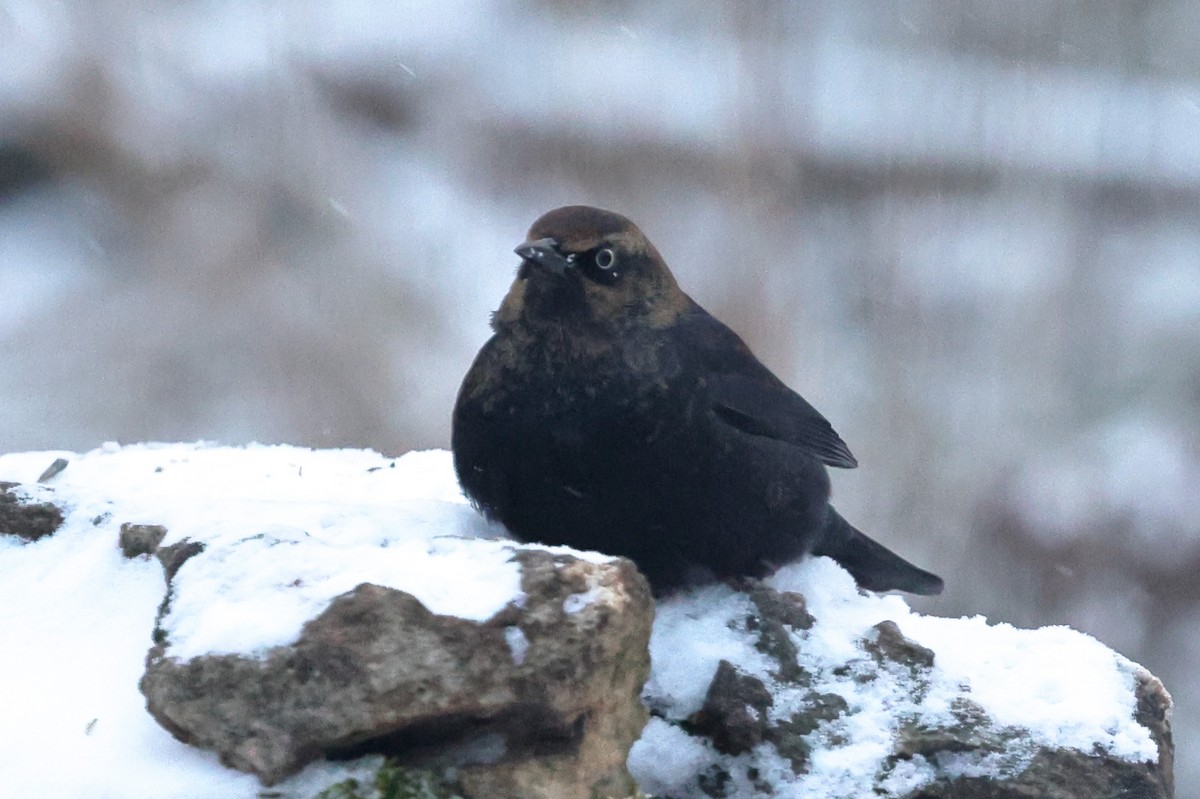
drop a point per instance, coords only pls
(745, 395)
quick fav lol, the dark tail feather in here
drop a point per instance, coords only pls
(873, 566)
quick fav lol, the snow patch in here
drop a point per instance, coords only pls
(577, 602)
(518, 644)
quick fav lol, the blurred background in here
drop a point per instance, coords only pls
(968, 232)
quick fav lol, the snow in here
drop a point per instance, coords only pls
(361, 517)
(223, 600)
(77, 619)
(577, 602)
(517, 642)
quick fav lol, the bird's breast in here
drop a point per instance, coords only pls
(561, 392)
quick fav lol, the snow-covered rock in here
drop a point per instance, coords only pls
(316, 604)
(24, 516)
(803, 686)
(538, 700)
(343, 604)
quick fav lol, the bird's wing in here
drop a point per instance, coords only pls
(748, 396)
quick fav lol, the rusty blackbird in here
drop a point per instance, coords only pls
(610, 412)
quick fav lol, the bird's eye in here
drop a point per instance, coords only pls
(606, 259)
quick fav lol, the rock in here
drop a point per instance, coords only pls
(1069, 773)
(889, 644)
(174, 556)
(734, 715)
(140, 539)
(791, 735)
(172, 559)
(22, 516)
(1154, 706)
(146, 539)
(1060, 773)
(776, 613)
(782, 607)
(53, 470)
(541, 700)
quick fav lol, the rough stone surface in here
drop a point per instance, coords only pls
(1053, 773)
(26, 518)
(175, 555)
(140, 539)
(777, 613)
(890, 644)
(377, 672)
(53, 470)
(734, 714)
(1154, 706)
(972, 731)
(790, 735)
(783, 607)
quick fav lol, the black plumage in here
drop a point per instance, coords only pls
(610, 412)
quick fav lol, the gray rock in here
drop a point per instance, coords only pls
(377, 672)
(53, 470)
(24, 517)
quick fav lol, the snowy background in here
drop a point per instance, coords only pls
(969, 233)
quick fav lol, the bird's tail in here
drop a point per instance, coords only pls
(872, 565)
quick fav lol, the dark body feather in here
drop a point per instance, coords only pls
(626, 455)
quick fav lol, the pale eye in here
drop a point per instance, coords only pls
(606, 259)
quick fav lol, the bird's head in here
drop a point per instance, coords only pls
(585, 266)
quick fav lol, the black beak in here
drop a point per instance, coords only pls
(544, 252)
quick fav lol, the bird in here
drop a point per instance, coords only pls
(610, 412)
